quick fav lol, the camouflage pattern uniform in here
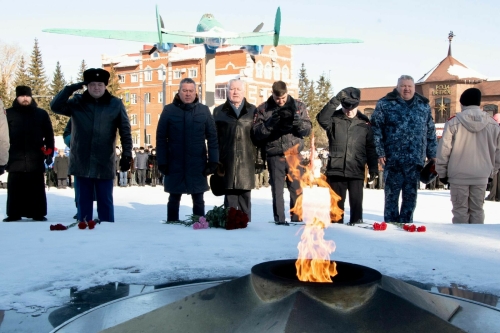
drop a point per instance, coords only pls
(405, 134)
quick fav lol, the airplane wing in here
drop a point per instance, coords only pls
(134, 36)
(287, 40)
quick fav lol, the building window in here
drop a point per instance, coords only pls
(148, 118)
(177, 74)
(133, 119)
(491, 109)
(133, 99)
(135, 139)
(368, 112)
(258, 70)
(147, 97)
(148, 75)
(277, 72)
(127, 98)
(148, 139)
(161, 74)
(160, 97)
(285, 73)
(268, 71)
(121, 78)
(155, 55)
(133, 78)
(220, 91)
(441, 110)
(193, 72)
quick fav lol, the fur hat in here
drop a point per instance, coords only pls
(471, 96)
(96, 75)
(23, 91)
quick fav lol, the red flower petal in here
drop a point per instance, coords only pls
(52, 227)
(82, 225)
(422, 228)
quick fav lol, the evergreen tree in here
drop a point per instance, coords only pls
(323, 93)
(37, 78)
(4, 95)
(113, 84)
(21, 78)
(83, 68)
(303, 83)
(57, 84)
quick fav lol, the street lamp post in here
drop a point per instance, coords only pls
(145, 118)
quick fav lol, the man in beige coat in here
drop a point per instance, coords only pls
(468, 155)
(4, 138)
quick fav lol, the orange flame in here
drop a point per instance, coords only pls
(313, 263)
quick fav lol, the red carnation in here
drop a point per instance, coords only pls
(412, 228)
(91, 224)
(422, 229)
(52, 227)
(82, 225)
(383, 226)
(376, 226)
(406, 227)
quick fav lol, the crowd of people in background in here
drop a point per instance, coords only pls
(244, 147)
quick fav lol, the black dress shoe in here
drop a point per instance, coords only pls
(11, 218)
(75, 217)
(40, 218)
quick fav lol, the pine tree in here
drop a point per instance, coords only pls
(37, 78)
(57, 84)
(4, 93)
(21, 78)
(303, 83)
(83, 68)
(113, 84)
(323, 93)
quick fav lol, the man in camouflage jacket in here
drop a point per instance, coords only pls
(405, 135)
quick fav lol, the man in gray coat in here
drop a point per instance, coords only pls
(141, 165)
(182, 152)
(96, 115)
(467, 155)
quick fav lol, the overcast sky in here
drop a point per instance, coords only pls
(399, 37)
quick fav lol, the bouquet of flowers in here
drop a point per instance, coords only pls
(217, 217)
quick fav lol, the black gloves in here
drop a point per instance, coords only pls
(272, 121)
(210, 168)
(163, 168)
(77, 86)
(2, 169)
(125, 163)
(490, 180)
(48, 159)
(444, 180)
(371, 177)
(297, 122)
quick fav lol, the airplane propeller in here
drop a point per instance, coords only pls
(259, 27)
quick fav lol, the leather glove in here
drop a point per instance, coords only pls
(125, 163)
(272, 121)
(296, 120)
(444, 180)
(210, 168)
(341, 96)
(48, 160)
(2, 169)
(77, 86)
(163, 168)
(371, 177)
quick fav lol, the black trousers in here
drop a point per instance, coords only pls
(341, 185)
(279, 174)
(174, 201)
(239, 199)
(26, 195)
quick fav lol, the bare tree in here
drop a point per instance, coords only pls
(10, 55)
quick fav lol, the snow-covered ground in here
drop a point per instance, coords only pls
(36, 263)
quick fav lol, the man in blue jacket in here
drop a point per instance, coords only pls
(405, 135)
(96, 116)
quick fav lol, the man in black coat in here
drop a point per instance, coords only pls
(31, 143)
(237, 152)
(351, 147)
(281, 124)
(95, 118)
(182, 152)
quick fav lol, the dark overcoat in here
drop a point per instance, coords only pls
(180, 145)
(236, 147)
(94, 123)
(30, 129)
(61, 166)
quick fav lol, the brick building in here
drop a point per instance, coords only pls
(442, 85)
(144, 77)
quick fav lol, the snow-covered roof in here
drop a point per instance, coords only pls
(450, 69)
(124, 60)
(225, 78)
(181, 54)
